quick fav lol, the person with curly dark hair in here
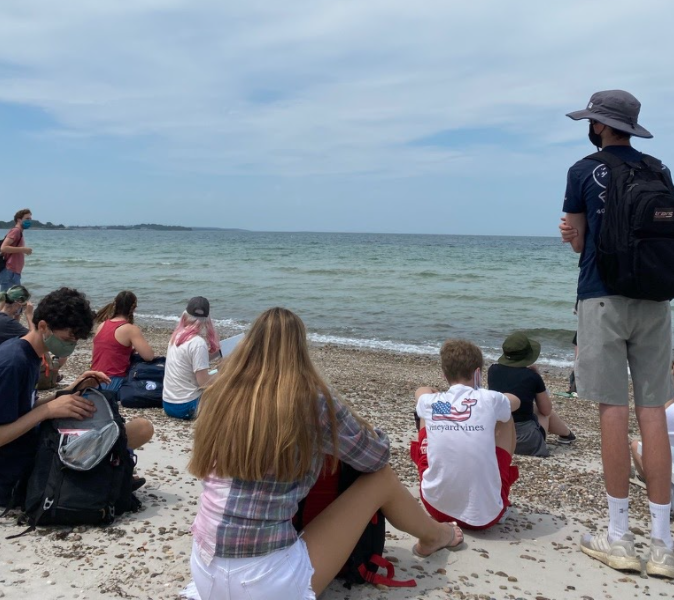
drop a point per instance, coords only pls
(60, 320)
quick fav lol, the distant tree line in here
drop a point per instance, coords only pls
(145, 226)
(36, 225)
(49, 225)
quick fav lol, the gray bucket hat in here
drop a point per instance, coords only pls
(615, 108)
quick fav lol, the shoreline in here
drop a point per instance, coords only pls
(158, 325)
(146, 555)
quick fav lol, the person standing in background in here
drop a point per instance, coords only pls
(14, 250)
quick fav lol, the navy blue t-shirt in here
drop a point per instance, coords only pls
(586, 193)
(19, 373)
(10, 328)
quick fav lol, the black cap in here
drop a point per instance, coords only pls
(198, 307)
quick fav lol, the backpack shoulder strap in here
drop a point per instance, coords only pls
(376, 579)
(610, 160)
(652, 162)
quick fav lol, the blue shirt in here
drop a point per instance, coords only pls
(586, 193)
(19, 373)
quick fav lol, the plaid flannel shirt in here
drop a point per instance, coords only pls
(240, 519)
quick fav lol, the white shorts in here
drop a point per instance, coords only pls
(283, 575)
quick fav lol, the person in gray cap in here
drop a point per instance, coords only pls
(613, 331)
(193, 342)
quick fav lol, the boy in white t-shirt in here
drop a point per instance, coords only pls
(466, 442)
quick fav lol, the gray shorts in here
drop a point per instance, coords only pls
(530, 439)
(614, 331)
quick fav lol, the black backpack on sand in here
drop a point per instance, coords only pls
(635, 253)
(144, 385)
(366, 558)
(83, 470)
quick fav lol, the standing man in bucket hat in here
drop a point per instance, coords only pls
(614, 331)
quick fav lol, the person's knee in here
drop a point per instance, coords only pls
(147, 430)
(382, 477)
(614, 418)
(505, 436)
(651, 416)
(504, 427)
(139, 432)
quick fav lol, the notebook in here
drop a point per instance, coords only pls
(227, 345)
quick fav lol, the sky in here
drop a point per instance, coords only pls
(311, 115)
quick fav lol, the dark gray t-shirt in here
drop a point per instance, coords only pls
(10, 328)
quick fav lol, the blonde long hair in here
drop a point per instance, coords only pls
(261, 418)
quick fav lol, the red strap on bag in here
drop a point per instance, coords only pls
(375, 578)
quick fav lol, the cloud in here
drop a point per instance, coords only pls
(302, 88)
(377, 115)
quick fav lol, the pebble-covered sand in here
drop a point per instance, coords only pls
(534, 555)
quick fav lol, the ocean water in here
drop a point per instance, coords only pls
(403, 293)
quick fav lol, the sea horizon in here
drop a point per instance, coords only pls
(110, 227)
(403, 293)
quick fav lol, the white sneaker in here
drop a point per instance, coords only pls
(660, 560)
(619, 555)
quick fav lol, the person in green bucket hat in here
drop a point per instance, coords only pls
(515, 373)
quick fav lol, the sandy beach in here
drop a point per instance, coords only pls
(533, 555)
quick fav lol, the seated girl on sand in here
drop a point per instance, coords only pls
(516, 374)
(262, 431)
(187, 358)
(116, 339)
(13, 303)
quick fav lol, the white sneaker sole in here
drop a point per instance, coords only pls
(619, 563)
(659, 570)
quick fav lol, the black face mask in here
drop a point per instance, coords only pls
(595, 138)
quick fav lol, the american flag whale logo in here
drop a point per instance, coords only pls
(444, 411)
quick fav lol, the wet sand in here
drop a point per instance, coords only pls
(533, 555)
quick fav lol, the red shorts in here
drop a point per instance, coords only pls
(509, 475)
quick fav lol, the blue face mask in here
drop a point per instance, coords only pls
(27, 223)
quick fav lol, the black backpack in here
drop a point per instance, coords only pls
(65, 487)
(366, 558)
(144, 385)
(635, 253)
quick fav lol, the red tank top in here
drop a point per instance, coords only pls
(109, 356)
